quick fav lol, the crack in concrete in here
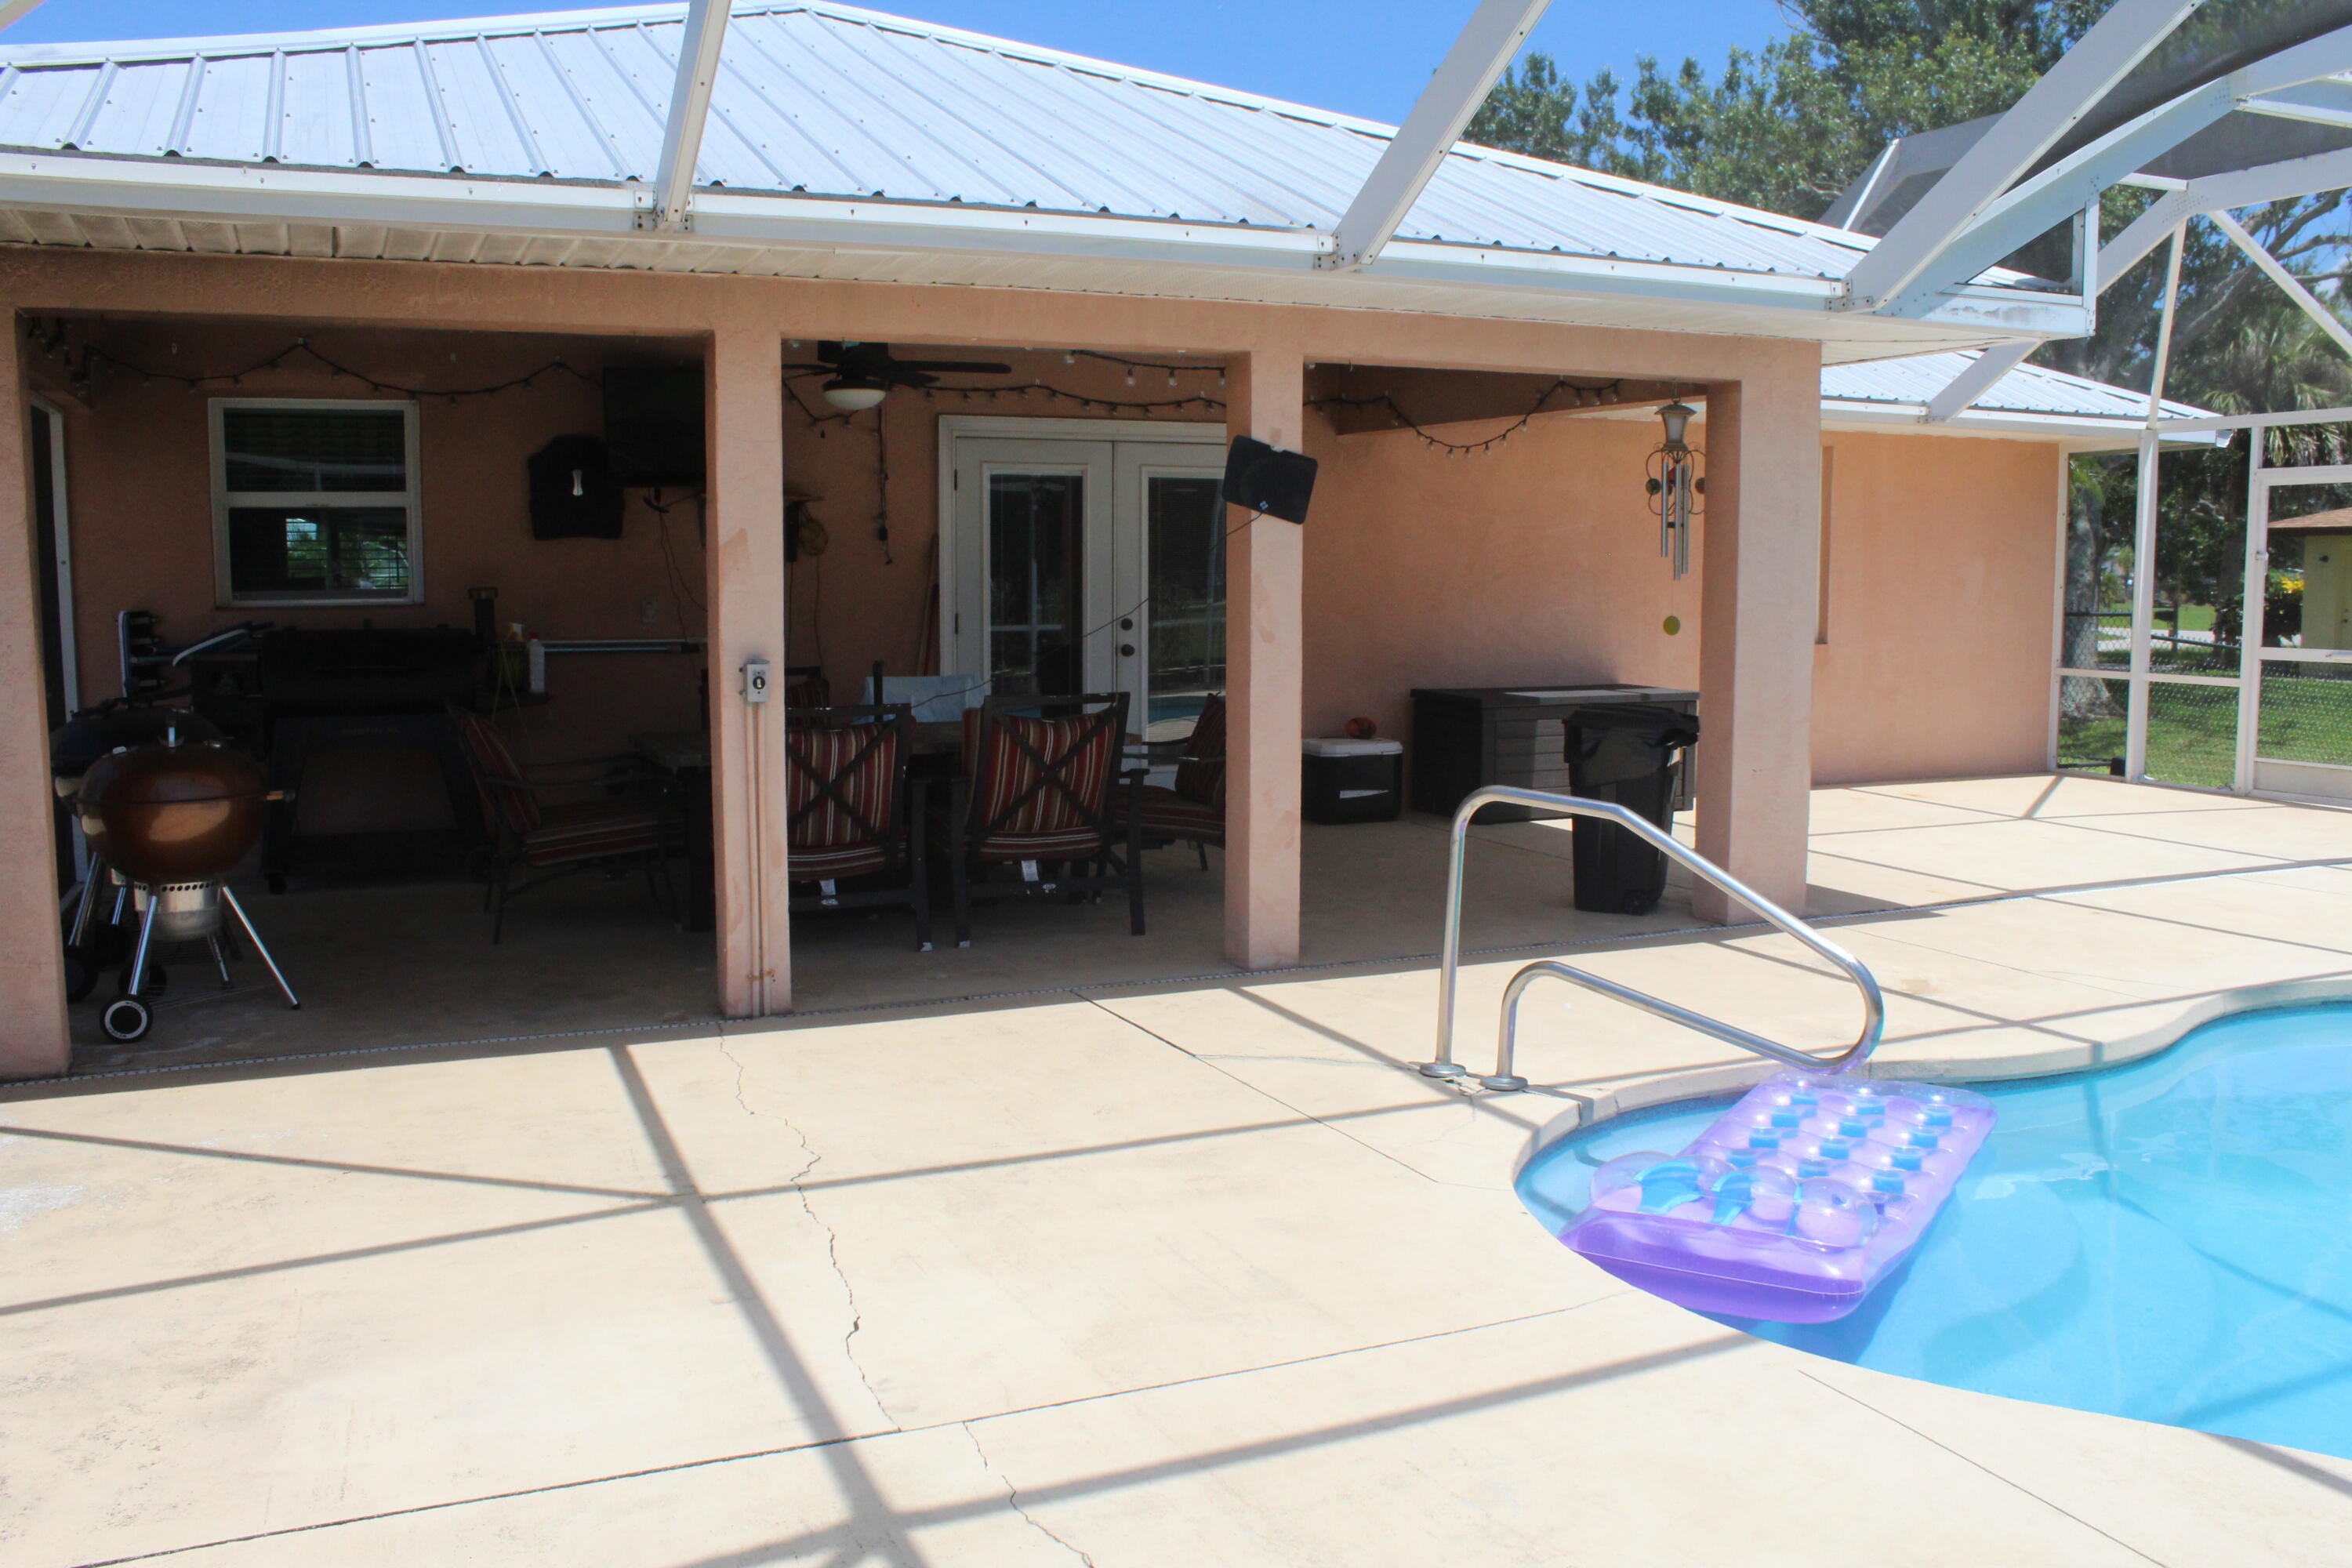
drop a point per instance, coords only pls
(1012, 1499)
(832, 1236)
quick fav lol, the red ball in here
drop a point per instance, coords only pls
(1362, 729)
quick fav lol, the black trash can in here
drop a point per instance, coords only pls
(1625, 754)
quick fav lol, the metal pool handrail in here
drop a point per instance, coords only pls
(1874, 1004)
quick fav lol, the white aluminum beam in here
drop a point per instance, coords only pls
(1493, 35)
(689, 111)
(2068, 185)
(2326, 102)
(2038, 203)
(1976, 381)
(2292, 286)
(2139, 241)
(2051, 106)
(2270, 182)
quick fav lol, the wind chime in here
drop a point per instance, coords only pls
(1676, 486)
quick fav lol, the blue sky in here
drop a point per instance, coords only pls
(1360, 56)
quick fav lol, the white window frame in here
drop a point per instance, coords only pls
(224, 594)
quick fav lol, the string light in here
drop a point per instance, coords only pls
(53, 343)
(1586, 396)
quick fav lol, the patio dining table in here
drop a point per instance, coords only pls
(684, 755)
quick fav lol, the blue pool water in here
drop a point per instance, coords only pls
(2169, 1240)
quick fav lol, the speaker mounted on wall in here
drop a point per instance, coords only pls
(1268, 479)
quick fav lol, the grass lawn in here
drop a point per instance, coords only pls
(2192, 730)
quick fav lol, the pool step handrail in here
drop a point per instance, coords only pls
(1503, 1080)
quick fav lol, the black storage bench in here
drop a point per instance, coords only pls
(1463, 737)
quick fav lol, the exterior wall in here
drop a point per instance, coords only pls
(1941, 591)
(1535, 562)
(138, 472)
(1539, 562)
(139, 479)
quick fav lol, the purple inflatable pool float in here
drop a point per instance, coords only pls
(1793, 1204)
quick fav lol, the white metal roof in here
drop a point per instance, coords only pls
(835, 127)
(2028, 400)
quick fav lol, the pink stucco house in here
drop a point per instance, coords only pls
(467, 229)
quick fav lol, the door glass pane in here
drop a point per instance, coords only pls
(2090, 715)
(2192, 734)
(1035, 538)
(2306, 714)
(2099, 564)
(2200, 561)
(1186, 520)
(2309, 602)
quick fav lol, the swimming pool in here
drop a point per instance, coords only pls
(2169, 1240)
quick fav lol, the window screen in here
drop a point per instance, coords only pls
(317, 502)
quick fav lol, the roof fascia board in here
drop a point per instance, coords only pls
(233, 194)
(2117, 42)
(1485, 45)
(689, 111)
(2116, 435)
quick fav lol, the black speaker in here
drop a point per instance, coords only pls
(653, 425)
(573, 494)
(1269, 479)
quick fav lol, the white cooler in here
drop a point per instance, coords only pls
(1352, 781)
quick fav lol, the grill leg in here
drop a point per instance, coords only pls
(85, 911)
(138, 976)
(259, 947)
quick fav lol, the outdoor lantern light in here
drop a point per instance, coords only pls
(853, 394)
(1675, 485)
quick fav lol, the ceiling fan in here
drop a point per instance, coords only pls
(863, 372)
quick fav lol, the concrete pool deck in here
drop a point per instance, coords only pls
(1168, 1273)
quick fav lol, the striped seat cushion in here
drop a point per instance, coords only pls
(588, 830)
(828, 865)
(1201, 772)
(1163, 811)
(512, 802)
(1059, 820)
(861, 762)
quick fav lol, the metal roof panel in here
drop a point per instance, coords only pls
(837, 101)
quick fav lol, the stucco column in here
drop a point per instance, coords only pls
(743, 375)
(1264, 678)
(32, 952)
(1761, 537)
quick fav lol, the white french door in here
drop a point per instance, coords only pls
(1086, 555)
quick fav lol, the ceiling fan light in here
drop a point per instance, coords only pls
(852, 396)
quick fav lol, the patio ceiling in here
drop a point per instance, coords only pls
(845, 143)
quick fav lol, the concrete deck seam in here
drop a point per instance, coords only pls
(2018, 1487)
(965, 1421)
(1294, 1110)
(718, 1028)
(1012, 1499)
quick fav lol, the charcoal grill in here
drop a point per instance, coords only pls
(170, 820)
